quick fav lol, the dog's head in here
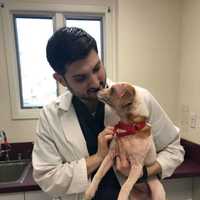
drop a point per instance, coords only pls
(123, 98)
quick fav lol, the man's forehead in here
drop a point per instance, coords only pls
(84, 65)
(85, 69)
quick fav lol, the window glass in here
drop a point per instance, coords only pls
(36, 85)
(92, 26)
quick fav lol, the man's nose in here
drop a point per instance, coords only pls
(94, 81)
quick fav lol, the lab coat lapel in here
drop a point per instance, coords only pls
(72, 129)
(73, 132)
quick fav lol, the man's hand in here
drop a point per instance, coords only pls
(103, 142)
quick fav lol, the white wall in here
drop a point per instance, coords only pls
(157, 48)
(17, 130)
(149, 48)
(190, 70)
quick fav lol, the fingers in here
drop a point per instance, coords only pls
(106, 134)
(103, 141)
(148, 124)
(107, 131)
(147, 128)
(108, 137)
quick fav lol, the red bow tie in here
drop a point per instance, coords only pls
(129, 129)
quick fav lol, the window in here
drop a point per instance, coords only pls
(28, 27)
(36, 86)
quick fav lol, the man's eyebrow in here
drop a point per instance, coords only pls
(84, 74)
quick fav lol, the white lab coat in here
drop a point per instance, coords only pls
(60, 148)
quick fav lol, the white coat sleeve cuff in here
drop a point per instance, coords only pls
(80, 179)
(166, 169)
(170, 158)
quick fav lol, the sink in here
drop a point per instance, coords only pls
(14, 171)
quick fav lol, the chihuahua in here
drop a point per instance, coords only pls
(133, 138)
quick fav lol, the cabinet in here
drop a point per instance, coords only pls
(12, 196)
(36, 195)
(179, 189)
(32, 195)
(196, 188)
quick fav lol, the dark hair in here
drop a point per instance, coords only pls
(66, 45)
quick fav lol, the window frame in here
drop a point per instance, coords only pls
(53, 10)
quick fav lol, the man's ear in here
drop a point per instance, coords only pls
(59, 78)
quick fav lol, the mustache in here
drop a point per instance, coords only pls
(95, 90)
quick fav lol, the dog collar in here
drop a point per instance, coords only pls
(129, 129)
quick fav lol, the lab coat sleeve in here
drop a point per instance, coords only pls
(166, 137)
(49, 171)
(171, 157)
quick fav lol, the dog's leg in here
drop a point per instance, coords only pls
(134, 174)
(157, 189)
(104, 167)
(140, 191)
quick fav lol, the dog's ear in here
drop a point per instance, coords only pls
(118, 90)
(129, 93)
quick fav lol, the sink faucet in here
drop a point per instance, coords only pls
(4, 145)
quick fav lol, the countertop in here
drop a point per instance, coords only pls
(189, 168)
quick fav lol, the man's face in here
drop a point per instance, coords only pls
(85, 77)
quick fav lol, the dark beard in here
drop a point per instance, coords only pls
(90, 91)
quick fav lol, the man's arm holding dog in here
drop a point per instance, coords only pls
(166, 137)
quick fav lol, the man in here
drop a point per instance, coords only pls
(74, 132)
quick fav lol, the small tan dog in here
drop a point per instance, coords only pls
(134, 132)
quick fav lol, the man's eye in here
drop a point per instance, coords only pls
(96, 69)
(80, 79)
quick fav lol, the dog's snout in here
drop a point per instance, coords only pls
(103, 96)
(101, 93)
